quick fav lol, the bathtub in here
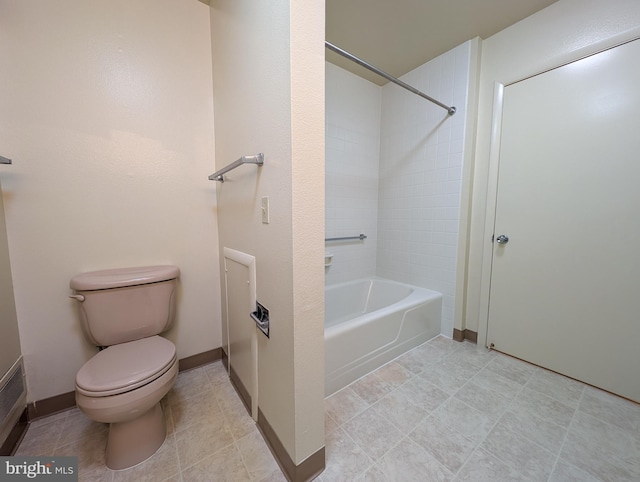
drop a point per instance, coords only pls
(369, 322)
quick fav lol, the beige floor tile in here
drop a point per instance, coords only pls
(202, 441)
(447, 446)
(449, 374)
(189, 384)
(565, 472)
(345, 459)
(393, 374)
(225, 465)
(478, 356)
(612, 409)
(544, 433)
(484, 467)
(400, 411)
(91, 457)
(227, 397)
(371, 388)
(422, 357)
(601, 449)
(525, 456)
(510, 368)
(407, 462)
(556, 386)
(77, 427)
(195, 411)
(497, 383)
(373, 433)
(486, 401)
(239, 421)
(217, 373)
(470, 422)
(256, 455)
(41, 439)
(543, 406)
(424, 395)
(342, 406)
(374, 474)
(160, 466)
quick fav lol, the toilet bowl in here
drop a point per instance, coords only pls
(114, 388)
(122, 385)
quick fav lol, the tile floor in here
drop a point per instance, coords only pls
(443, 411)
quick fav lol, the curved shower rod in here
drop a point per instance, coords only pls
(450, 109)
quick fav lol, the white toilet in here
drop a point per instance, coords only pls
(124, 311)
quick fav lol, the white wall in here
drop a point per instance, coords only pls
(565, 31)
(351, 173)
(268, 82)
(421, 172)
(106, 109)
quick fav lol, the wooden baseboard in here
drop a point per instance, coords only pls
(461, 335)
(65, 401)
(10, 445)
(307, 470)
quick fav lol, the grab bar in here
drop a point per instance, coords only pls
(5, 160)
(345, 238)
(257, 159)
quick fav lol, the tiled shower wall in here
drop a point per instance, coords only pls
(421, 153)
(351, 173)
(394, 171)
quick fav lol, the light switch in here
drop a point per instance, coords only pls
(265, 210)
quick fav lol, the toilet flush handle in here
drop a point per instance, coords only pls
(77, 297)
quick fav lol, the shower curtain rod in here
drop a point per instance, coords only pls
(450, 109)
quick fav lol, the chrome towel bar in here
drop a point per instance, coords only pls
(219, 175)
(4, 160)
(345, 238)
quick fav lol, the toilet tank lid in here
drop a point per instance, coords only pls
(120, 277)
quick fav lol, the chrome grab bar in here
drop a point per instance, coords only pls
(218, 175)
(5, 160)
(345, 238)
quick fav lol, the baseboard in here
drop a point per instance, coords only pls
(51, 405)
(15, 435)
(204, 358)
(245, 396)
(307, 470)
(66, 401)
(461, 335)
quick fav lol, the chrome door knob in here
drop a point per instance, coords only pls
(502, 239)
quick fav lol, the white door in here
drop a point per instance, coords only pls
(565, 288)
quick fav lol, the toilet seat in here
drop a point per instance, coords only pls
(126, 366)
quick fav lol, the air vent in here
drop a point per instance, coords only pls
(10, 393)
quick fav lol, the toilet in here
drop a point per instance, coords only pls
(123, 311)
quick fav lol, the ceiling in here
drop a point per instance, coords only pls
(399, 35)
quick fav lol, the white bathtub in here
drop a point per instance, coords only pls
(369, 322)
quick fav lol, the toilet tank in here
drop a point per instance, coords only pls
(120, 305)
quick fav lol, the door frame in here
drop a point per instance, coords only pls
(494, 166)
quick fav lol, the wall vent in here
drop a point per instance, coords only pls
(12, 398)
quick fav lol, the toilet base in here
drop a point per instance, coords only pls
(135, 441)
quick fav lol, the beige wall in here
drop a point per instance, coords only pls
(565, 31)
(9, 337)
(268, 80)
(106, 109)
